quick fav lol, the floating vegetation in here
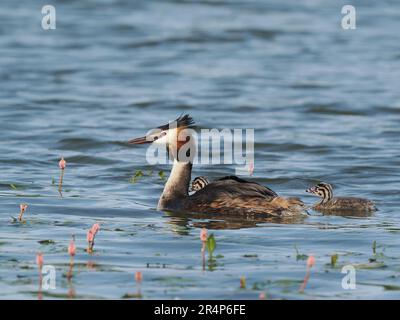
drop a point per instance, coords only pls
(300, 256)
(13, 186)
(132, 296)
(46, 242)
(250, 256)
(138, 174)
(334, 259)
(161, 174)
(211, 244)
(242, 282)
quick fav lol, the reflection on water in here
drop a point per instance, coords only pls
(181, 223)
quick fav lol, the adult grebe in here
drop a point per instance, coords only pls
(228, 195)
(330, 203)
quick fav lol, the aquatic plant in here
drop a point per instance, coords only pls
(300, 256)
(39, 260)
(161, 174)
(211, 244)
(62, 164)
(138, 277)
(251, 168)
(203, 238)
(22, 207)
(91, 234)
(334, 259)
(72, 247)
(13, 186)
(242, 282)
(71, 252)
(310, 264)
(138, 174)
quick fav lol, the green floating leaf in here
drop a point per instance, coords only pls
(250, 256)
(391, 287)
(13, 186)
(161, 174)
(46, 242)
(138, 174)
(132, 296)
(300, 256)
(211, 244)
(334, 259)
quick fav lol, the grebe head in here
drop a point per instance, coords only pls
(323, 190)
(199, 183)
(174, 136)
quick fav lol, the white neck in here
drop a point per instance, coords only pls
(177, 185)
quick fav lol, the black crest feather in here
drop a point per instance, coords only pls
(182, 121)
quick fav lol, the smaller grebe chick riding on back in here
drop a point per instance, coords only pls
(199, 183)
(330, 203)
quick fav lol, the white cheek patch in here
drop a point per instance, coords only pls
(161, 140)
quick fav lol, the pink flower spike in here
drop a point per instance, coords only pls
(251, 168)
(62, 164)
(138, 276)
(203, 235)
(310, 261)
(23, 207)
(95, 228)
(72, 248)
(39, 260)
(90, 236)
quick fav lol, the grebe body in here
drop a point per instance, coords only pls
(330, 203)
(228, 195)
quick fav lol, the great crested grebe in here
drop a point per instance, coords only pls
(330, 203)
(199, 183)
(228, 195)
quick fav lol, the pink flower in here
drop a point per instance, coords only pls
(72, 248)
(251, 168)
(262, 296)
(62, 164)
(203, 235)
(310, 261)
(39, 260)
(138, 276)
(90, 236)
(23, 207)
(243, 282)
(95, 229)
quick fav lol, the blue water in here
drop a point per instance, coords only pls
(324, 103)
